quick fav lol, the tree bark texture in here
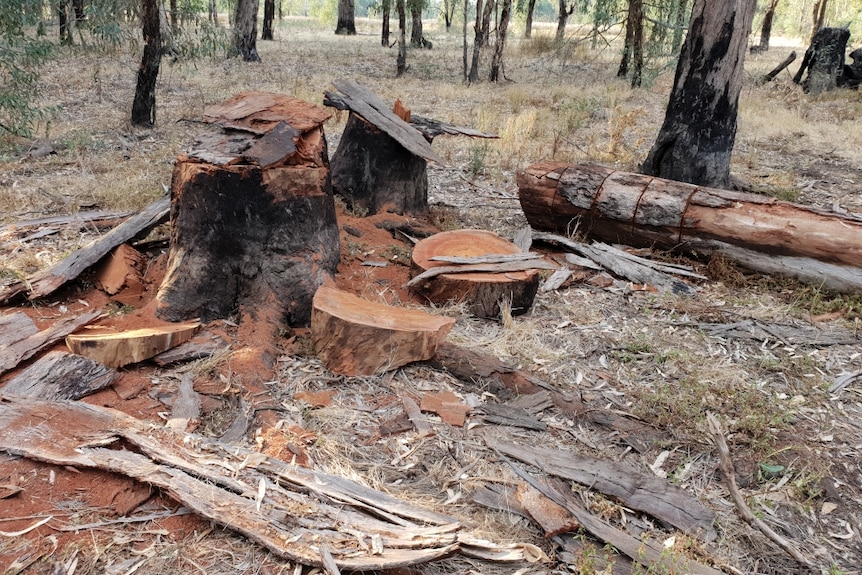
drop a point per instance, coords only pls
(252, 230)
(563, 13)
(758, 232)
(528, 28)
(633, 49)
(401, 60)
(144, 104)
(245, 31)
(766, 26)
(497, 69)
(268, 17)
(696, 139)
(386, 8)
(824, 60)
(417, 39)
(346, 18)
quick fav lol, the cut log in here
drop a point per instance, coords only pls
(48, 281)
(353, 336)
(757, 232)
(116, 349)
(60, 375)
(14, 327)
(252, 215)
(824, 60)
(24, 349)
(483, 292)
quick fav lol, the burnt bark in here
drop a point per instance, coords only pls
(268, 17)
(63, 20)
(633, 49)
(144, 104)
(497, 60)
(824, 60)
(766, 26)
(482, 23)
(528, 28)
(696, 139)
(245, 31)
(346, 18)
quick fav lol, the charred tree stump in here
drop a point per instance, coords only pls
(824, 60)
(252, 214)
(757, 232)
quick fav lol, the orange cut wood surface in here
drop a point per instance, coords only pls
(116, 349)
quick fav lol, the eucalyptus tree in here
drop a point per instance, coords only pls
(766, 26)
(268, 17)
(245, 31)
(144, 103)
(497, 71)
(633, 50)
(346, 18)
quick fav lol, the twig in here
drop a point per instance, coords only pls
(727, 470)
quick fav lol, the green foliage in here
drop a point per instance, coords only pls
(325, 12)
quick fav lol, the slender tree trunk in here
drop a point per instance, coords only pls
(681, 19)
(384, 32)
(80, 14)
(65, 22)
(245, 31)
(562, 19)
(766, 27)
(528, 29)
(213, 12)
(448, 13)
(401, 62)
(477, 44)
(818, 17)
(416, 35)
(696, 139)
(637, 15)
(268, 17)
(487, 12)
(464, 37)
(144, 104)
(497, 69)
(346, 18)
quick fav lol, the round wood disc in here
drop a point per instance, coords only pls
(482, 291)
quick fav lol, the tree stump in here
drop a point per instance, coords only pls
(483, 292)
(824, 60)
(252, 214)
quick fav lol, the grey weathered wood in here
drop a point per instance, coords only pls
(23, 350)
(47, 281)
(486, 259)
(60, 375)
(632, 488)
(556, 279)
(201, 346)
(14, 327)
(513, 266)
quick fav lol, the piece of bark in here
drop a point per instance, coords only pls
(353, 336)
(556, 280)
(121, 275)
(49, 280)
(14, 327)
(60, 375)
(186, 407)
(482, 291)
(757, 232)
(472, 366)
(301, 509)
(200, 346)
(636, 490)
(502, 414)
(116, 349)
(448, 406)
(419, 421)
(23, 350)
(551, 517)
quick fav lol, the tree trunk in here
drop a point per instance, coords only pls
(758, 232)
(386, 7)
(245, 31)
(464, 44)
(696, 139)
(562, 18)
(766, 27)
(633, 49)
(824, 60)
(213, 12)
(481, 22)
(401, 61)
(144, 104)
(252, 231)
(528, 28)
(488, 12)
(268, 17)
(497, 69)
(64, 22)
(416, 35)
(346, 18)
(448, 13)
(818, 18)
(80, 13)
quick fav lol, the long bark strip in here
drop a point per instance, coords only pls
(758, 232)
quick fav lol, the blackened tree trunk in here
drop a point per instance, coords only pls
(245, 31)
(696, 139)
(824, 60)
(384, 32)
(268, 17)
(766, 27)
(401, 61)
(144, 104)
(346, 18)
(528, 29)
(562, 18)
(633, 49)
(448, 13)
(80, 13)
(490, 9)
(64, 21)
(416, 35)
(497, 70)
(818, 18)
(174, 14)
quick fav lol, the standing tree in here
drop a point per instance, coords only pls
(63, 18)
(417, 36)
(449, 12)
(268, 17)
(212, 12)
(818, 18)
(245, 31)
(386, 8)
(696, 139)
(563, 14)
(766, 27)
(502, 26)
(144, 104)
(401, 61)
(346, 18)
(528, 28)
(482, 23)
(634, 49)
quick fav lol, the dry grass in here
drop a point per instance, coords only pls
(636, 352)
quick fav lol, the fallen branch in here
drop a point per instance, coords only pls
(777, 70)
(23, 350)
(729, 474)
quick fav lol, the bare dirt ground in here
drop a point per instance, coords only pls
(661, 361)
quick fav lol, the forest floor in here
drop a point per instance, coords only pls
(661, 361)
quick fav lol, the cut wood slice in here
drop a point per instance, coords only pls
(116, 349)
(353, 336)
(483, 292)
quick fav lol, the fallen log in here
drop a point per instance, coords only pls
(292, 511)
(353, 336)
(116, 349)
(757, 232)
(768, 77)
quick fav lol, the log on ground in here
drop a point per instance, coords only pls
(60, 375)
(116, 349)
(757, 232)
(483, 292)
(353, 336)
